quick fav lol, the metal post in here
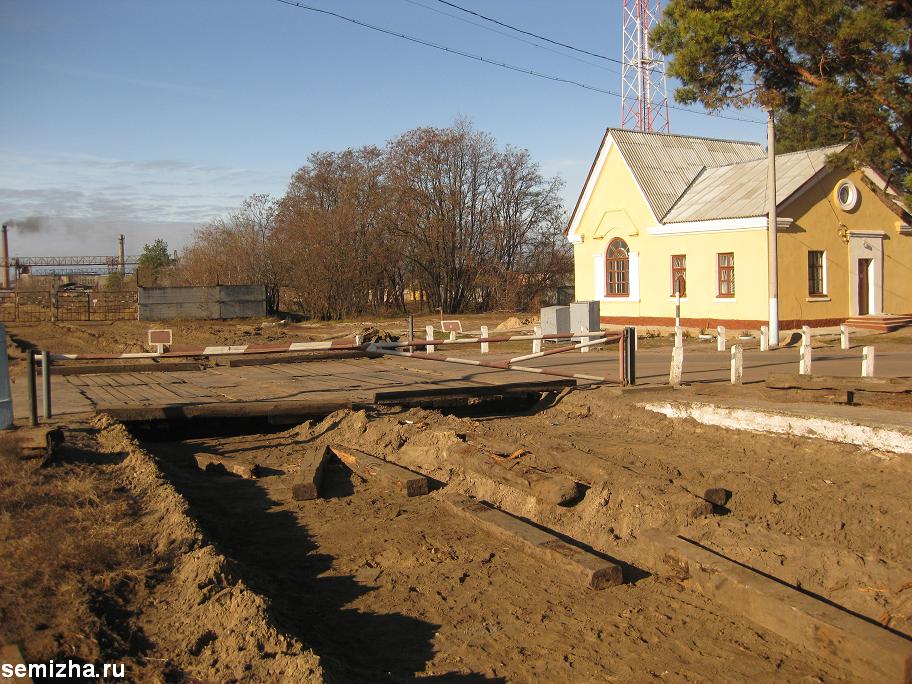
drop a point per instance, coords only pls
(411, 330)
(773, 248)
(46, 385)
(32, 390)
(630, 361)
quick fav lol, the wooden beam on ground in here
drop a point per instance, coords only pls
(306, 482)
(372, 468)
(97, 369)
(822, 382)
(219, 464)
(595, 572)
(234, 409)
(873, 652)
(470, 392)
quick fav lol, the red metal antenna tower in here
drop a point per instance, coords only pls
(644, 85)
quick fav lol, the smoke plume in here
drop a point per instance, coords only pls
(29, 224)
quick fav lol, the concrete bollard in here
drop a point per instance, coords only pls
(720, 338)
(429, 331)
(867, 362)
(585, 339)
(677, 366)
(536, 344)
(806, 335)
(804, 362)
(737, 364)
(452, 335)
(764, 338)
(844, 336)
(485, 346)
(679, 337)
(6, 399)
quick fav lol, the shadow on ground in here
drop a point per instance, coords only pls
(278, 559)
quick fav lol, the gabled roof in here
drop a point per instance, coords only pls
(739, 190)
(664, 165)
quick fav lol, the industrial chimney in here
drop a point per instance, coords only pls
(5, 277)
(123, 266)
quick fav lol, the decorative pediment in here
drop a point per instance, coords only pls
(615, 223)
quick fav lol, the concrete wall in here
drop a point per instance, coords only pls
(223, 301)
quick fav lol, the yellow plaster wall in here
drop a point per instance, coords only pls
(816, 225)
(618, 209)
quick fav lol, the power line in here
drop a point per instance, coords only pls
(529, 33)
(512, 37)
(493, 62)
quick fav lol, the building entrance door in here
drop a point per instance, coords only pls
(864, 287)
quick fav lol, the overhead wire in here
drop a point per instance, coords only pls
(494, 62)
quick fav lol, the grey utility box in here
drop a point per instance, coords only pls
(584, 316)
(555, 320)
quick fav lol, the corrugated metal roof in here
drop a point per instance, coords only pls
(665, 165)
(739, 190)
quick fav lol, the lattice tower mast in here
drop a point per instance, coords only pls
(644, 84)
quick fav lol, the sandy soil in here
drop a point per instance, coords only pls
(377, 583)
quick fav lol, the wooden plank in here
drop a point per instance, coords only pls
(472, 391)
(595, 572)
(823, 382)
(305, 483)
(873, 652)
(93, 369)
(372, 468)
(233, 409)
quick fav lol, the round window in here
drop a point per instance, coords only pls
(847, 195)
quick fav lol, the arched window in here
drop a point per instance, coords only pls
(617, 269)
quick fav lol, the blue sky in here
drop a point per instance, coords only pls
(149, 117)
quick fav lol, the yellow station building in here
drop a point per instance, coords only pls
(662, 212)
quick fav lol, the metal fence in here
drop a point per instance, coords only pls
(98, 305)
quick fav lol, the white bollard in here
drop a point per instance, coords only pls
(452, 335)
(844, 336)
(359, 340)
(584, 340)
(737, 364)
(720, 338)
(6, 400)
(536, 344)
(804, 362)
(429, 331)
(764, 338)
(867, 362)
(484, 345)
(679, 337)
(677, 366)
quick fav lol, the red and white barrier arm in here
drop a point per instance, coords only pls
(502, 365)
(345, 344)
(477, 340)
(572, 347)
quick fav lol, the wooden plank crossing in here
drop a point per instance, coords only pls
(356, 380)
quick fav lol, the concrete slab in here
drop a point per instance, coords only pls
(873, 652)
(594, 572)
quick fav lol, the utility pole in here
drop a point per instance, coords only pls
(773, 250)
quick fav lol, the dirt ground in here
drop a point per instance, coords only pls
(121, 550)
(377, 583)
